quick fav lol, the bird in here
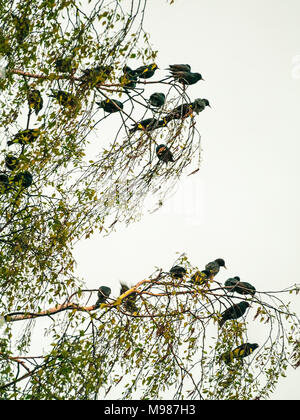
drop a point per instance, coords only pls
(129, 301)
(186, 77)
(22, 25)
(233, 312)
(11, 162)
(157, 99)
(164, 154)
(145, 72)
(65, 99)
(25, 137)
(214, 266)
(240, 352)
(109, 105)
(4, 183)
(179, 67)
(177, 272)
(103, 294)
(200, 104)
(243, 288)
(96, 75)
(184, 110)
(149, 124)
(35, 100)
(200, 277)
(129, 78)
(64, 64)
(23, 179)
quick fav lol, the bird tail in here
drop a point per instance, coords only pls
(221, 322)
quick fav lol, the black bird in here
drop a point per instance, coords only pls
(214, 266)
(179, 67)
(235, 285)
(186, 77)
(96, 75)
(149, 124)
(109, 105)
(65, 99)
(35, 100)
(25, 136)
(234, 312)
(240, 352)
(4, 183)
(145, 72)
(185, 110)
(11, 162)
(22, 25)
(64, 65)
(129, 302)
(129, 78)
(200, 277)
(164, 154)
(23, 179)
(177, 272)
(157, 99)
(103, 294)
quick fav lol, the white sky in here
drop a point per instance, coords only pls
(243, 204)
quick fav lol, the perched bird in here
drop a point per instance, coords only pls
(186, 77)
(4, 183)
(145, 72)
(35, 100)
(65, 99)
(240, 352)
(149, 124)
(129, 302)
(233, 312)
(23, 179)
(103, 294)
(157, 99)
(64, 65)
(214, 266)
(109, 105)
(11, 162)
(25, 136)
(22, 25)
(243, 288)
(200, 277)
(184, 110)
(179, 67)
(177, 272)
(96, 75)
(164, 154)
(129, 78)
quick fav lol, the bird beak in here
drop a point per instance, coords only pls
(225, 267)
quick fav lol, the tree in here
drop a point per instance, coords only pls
(70, 74)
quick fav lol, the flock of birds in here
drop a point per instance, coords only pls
(89, 79)
(200, 278)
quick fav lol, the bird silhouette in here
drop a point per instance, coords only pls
(233, 312)
(184, 110)
(11, 162)
(65, 99)
(145, 72)
(164, 154)
(214, 266)
(186, 77)
(129, 301)
(200, 277)
(149, 124)
(35, 100)
(22, 27)
(64, 64)
(103, 294)
(235, 285)
(4, 183)
(93, 76)
(179, 67)
(110, 105)
(129, 78)
(178, 272)
(23, 179)
(242, 351)
(157, 99)
(25, 137)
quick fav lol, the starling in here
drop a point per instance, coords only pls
(233, 312)
(177, 272)
(240, 352)
(25, 136)
(157, 99)
(235, 285)
(145, 72)
(11, 162)
(214, 266)
(64, 65)
(199, 105)
(129, 302)
(103, 294)
(148, 124)
(96, 75)
(22, 26)
(35, 100)
(200, 277)
(164, 154)
(186, 77)
(184, 110)
(23, 179)
(179, 67)
(4, 183)
(129, 78)
(65, 99)
(109, 105)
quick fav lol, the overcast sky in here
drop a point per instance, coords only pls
(243, 204)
